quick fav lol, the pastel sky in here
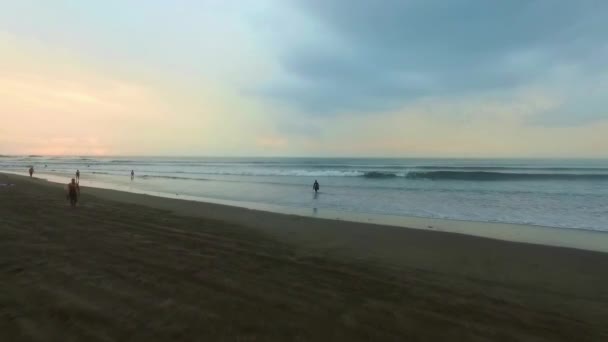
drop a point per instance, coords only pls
(400, 78)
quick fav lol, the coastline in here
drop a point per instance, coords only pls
(124, 266)
(586, 239)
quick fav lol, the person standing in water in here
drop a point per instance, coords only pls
(31, 170)
(78, 176)
(132, 174)
(315, 186)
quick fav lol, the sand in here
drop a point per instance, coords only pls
(128, 267)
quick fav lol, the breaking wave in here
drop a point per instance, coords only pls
(502, 176)
(379, 174)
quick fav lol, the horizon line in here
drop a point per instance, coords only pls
(301, 157)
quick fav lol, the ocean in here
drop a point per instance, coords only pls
(553, 193)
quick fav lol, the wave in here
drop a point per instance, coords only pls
(379, 174)
(371, 175)
(172, 177)
(505, 168)
(289, 172)
(144, 176)
(502, 176)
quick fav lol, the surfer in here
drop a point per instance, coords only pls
(315, 186)
(31, 171)
(73, 192)
(132, 174)
(78, 176)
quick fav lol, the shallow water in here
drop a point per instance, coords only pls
(554, 193)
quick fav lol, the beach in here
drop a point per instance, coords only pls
(563, 193)
(123, 266)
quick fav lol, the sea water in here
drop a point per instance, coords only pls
(554, 193)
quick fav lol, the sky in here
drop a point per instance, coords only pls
(390, 78)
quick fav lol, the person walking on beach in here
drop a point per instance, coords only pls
(73, 192)
(132, 174)
(77, 176)
(315, 186)
(31, 171)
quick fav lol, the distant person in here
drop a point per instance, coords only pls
(31, 171)
(132, 174)
(73, 192)
(315, 186)
(78, 176)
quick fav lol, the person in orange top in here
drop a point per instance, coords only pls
(73, 192)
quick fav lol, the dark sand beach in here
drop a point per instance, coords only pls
(128, 267)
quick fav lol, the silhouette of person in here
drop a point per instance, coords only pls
(315, 186)
(73, 192)
(78, 176)
(132, 174)
(31, 171)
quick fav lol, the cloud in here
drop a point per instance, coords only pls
(583, 102)
(62, 104)
(383, 54)
(335, 77)
(299, 128)
(462, 127)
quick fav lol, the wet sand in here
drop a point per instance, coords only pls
(128, 267)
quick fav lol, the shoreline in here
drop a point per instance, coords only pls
(585, 239)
